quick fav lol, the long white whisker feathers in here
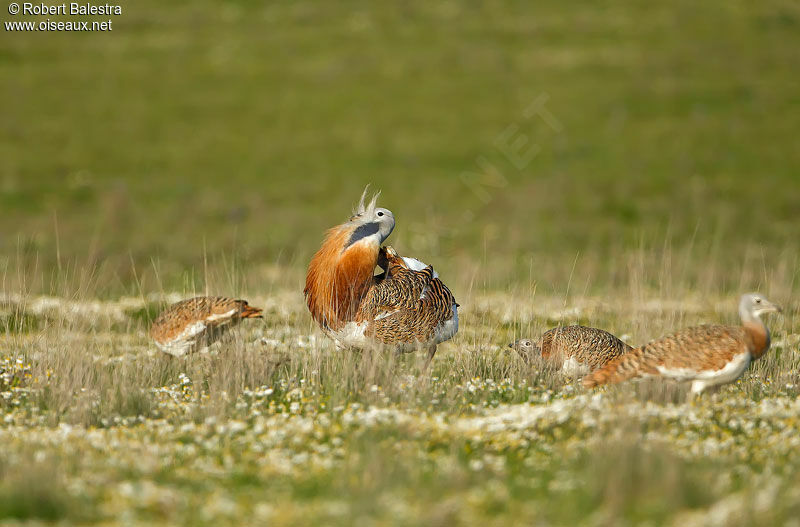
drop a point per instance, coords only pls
(364, 206)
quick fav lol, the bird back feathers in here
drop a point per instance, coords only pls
(590, 346)
(198, 320)
(695, 349)
(408, 305)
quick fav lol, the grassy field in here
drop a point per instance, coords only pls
(276, 426)
(625, 165)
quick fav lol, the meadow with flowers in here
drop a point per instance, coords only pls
(274, 425)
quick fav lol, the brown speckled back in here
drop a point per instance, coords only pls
(695, 349)
(406, 305)
(590, 346)
(188, 322)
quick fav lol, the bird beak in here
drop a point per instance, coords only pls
(773, 308)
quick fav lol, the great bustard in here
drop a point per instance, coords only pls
(706, 355)
(191, 325)
(575, 350)
(404, 309)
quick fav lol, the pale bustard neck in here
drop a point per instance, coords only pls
(759, 331)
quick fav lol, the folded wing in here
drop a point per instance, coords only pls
(409, 305)
(684, 355)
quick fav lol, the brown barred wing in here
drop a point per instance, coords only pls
(197, 321)
(692, 350)
(407, 306)
(592, 346)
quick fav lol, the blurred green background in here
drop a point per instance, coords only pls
(236, 132)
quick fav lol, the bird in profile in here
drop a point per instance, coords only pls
(576, 350)
(707, 355)
(405, 308)
(194, 324)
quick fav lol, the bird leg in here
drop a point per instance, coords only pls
(697, 388)
(424, 378)
(429, 360)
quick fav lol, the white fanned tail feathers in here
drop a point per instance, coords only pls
(416, 265)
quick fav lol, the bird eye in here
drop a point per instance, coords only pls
(758, 300)
(380, 213)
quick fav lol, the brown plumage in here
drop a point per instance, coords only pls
(405, 308)
(706, 355)
(576, 350)
(409, 306)
(190, 325)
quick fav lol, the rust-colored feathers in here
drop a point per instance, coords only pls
(695, 349)
(341, 271)
(190, 325)
(337, 280)
(707, 355)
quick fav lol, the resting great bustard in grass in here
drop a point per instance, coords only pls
(707, 355)
(576, 350)
(194, 324)
(406, 308)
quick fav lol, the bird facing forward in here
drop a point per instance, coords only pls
(405, 308)
(194, 324)
(708, 355)
(575, 350)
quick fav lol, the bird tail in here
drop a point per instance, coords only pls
(624, 367)
(249, 311)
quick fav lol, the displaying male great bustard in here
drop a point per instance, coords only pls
(707, 355)
(405, 308)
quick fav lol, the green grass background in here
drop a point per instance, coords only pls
(239, 131)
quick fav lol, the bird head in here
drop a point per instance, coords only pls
(525, 347)
(753, 305)
(368, 224)
(341, 271)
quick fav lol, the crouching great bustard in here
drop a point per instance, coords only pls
(194, 324)
(575, 350)
(405, 308)
(707, 355)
